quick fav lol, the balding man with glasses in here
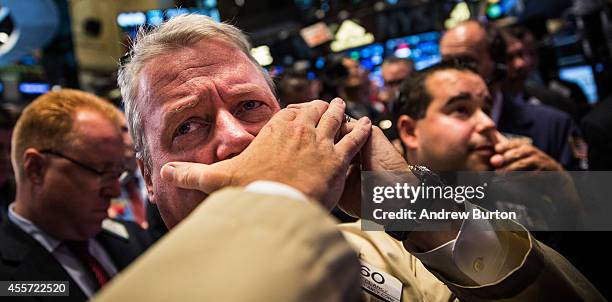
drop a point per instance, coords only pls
(68, 158)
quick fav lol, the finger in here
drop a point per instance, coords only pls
(524, 164)
(352, 142)
(348, 126)
(311, 113)
(297, 105)
(497, 160)
(514, 154)
(379, 154)
(332, 119)
(195, 176)
(498, 138)
(537, 160)
(286, 115)
(517, 153)
(504, 146)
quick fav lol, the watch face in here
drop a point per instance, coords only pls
(426, 176)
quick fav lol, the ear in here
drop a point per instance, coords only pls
(146, 175)
(408, 132)
(35, 165)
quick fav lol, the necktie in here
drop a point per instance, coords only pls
(80, 249)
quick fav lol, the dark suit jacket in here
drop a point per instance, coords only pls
(549, 128)
(597, 127)
(24, 259)
(576, 108)
(7, 195)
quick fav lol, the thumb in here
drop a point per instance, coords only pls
(201, 177)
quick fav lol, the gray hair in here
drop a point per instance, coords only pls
(181, 31)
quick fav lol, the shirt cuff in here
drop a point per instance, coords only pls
(479, 251)
(479, 255)
(275, 188)
(440, 259)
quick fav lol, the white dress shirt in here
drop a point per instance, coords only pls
(67, 260)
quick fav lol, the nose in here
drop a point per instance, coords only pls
(112, 190)
(231, 136)
(520, 63)
(484, 123)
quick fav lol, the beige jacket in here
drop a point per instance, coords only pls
(239, 246)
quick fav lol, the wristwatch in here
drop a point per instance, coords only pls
(426, 177)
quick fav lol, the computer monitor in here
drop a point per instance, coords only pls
(423, 49)
(370, 57)
(31, 88)
(130, 22)
(583, 76)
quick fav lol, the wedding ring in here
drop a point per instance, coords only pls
(347, 118)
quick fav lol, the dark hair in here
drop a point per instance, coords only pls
(414, 99)
(517, 31)
(497, 44)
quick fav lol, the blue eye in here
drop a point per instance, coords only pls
(250, 105)
(183, 129)
(188, 127)
(253, 111)
(246, 107)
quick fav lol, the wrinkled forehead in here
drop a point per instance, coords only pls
(172, 81)
(214, 57)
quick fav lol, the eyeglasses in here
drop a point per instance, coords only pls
(105, 177)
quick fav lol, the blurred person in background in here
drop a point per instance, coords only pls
(8, 117)
(597, 128)
(394, 71)
(548, 129)
(523, 80)
(68, 156)
(295, 87)
(130, 205)
(359, 93)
